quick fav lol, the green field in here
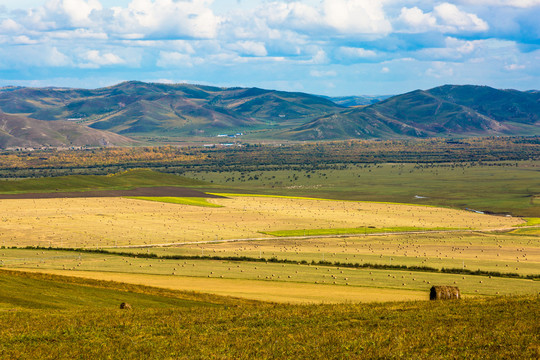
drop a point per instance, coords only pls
(176, 200)
(347, 231)
(22, 290)
(508, 188)
(161, 326)
(121, 181)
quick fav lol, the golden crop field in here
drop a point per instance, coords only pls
(480, 243)
(102, 222)
(470, 250)
(293, 283)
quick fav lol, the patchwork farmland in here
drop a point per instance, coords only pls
(232, 254)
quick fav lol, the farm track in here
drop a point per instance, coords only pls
(308, 237)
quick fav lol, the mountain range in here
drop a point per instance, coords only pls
(135, 110)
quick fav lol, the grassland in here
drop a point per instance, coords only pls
(121, 181)
(163, 325)
(25, 290)
(347, 231)
(497, 187)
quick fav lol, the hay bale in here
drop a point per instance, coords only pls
(125, 306)
(444, 293)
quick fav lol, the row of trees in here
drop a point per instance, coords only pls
(305, 156)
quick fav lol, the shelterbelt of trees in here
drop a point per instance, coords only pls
(280, 156)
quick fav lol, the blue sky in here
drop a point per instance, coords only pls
(331, 47)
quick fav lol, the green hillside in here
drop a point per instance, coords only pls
(443, 111)
(122, 181)
(180, 111)
(135, 108)
(23, 290)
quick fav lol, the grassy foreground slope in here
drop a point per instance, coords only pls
(26, 290)
(500, 327)
(125, 180)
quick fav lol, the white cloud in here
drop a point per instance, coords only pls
(166, 19)
(514, 67)
(416, 20)
(95, 59)
(77, 34)
(343, 17)
(249, 48)
(57, 14)
(454, 49)
(445, 17)
(356, 16)
(453, 19)
(55, 58)
(320, 57)
(23, 40)
(176, 59)
(352, 52)
(440, 69)
(10, 26)
(385, 70)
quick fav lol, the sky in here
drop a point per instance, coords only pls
(327, 47)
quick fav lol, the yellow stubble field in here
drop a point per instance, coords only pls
(102, 222)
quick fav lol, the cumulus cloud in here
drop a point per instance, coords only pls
(316, 39)
(352, 52)
(166, 19)
(57, 14)
(440, 69)
(176, 59)
(416, 20)
(9, 26)
(445, 17)
(340, 17)
(249, 48)
(454, 20)
(97, 59)
(356, 16)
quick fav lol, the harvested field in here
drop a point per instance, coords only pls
(102, 222)
(506, 253)
(261, 280)
(165, 191)
(281, 292)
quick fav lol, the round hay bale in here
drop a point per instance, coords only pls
(444, 293)
(125, 306)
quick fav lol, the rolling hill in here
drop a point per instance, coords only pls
(443, 111)
(141, 110)
(136, 108)
(21, 131)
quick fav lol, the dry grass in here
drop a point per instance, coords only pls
(90, 222)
